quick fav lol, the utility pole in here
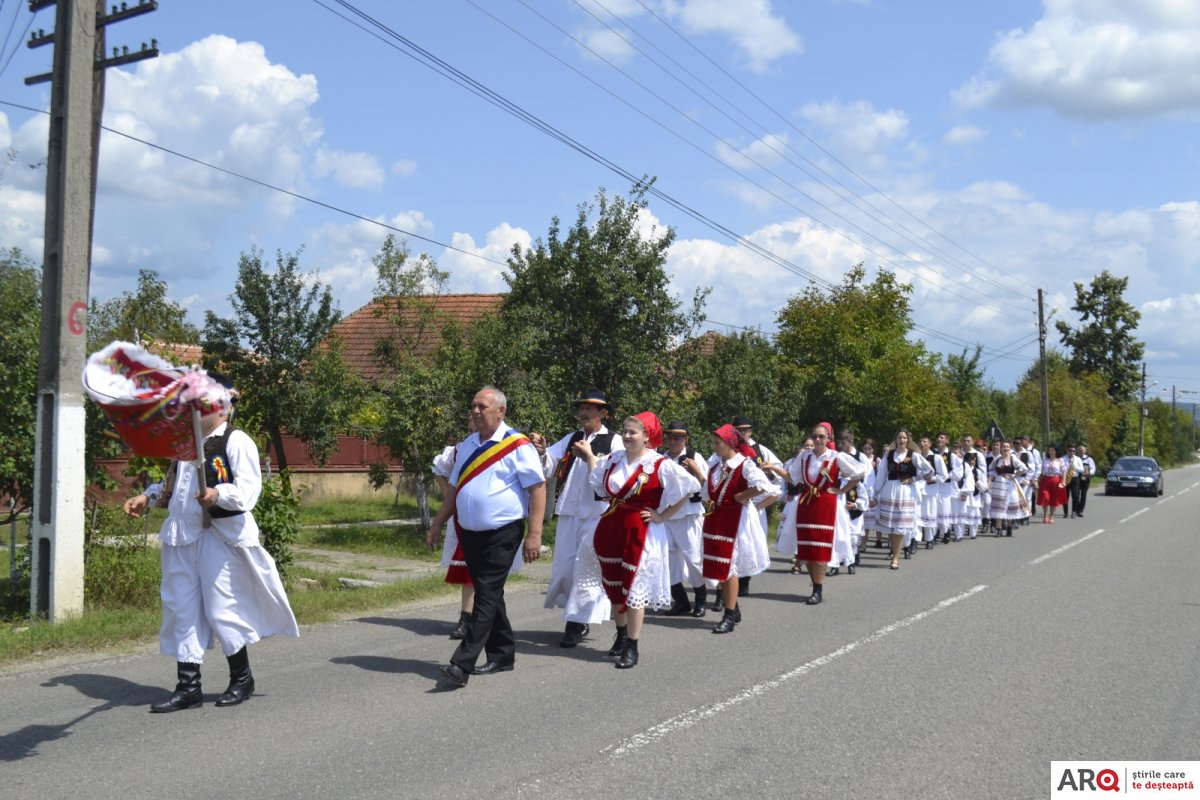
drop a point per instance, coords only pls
(56, 590)
(1142, 416)
(1045, 371)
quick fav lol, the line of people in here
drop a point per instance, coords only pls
(643, 518)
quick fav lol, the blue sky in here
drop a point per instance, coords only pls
(980, 150)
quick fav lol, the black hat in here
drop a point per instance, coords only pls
(593, 396)
(742, 422)
(676, 426)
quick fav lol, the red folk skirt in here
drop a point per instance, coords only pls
(816, 517)
(721, 526)
(619, 541)
(1051, 492)
(457, 573)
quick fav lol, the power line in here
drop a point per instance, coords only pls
(288, 192)
(817, 144)
(718, 161)
(767, 141)
(17, 43)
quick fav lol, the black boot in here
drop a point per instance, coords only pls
(729, 620)
(629, 656)
(573, 634)
(815, 597)
(743, 587)
(700, 604)
(187, 690)
(719, 604)
(680, 606)
(619, 643)
(241, 682)
(460, 630)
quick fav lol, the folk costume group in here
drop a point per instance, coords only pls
(637, 527)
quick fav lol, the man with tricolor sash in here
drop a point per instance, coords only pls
(497, 483)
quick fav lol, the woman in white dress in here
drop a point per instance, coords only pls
(631, 542)
(1007, 495)
(896, 495)
(735, 543)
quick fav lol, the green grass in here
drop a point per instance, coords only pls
(330, 512)
(395, 541)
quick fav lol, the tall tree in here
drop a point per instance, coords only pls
(146, 315)
(279, 319)
(419, 405)
(21, 310)
(852, 363)
(1081, 412)
(594, 305)
(1103, 343)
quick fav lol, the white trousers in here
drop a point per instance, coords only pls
(686, 536)
(214, 590)
(587, 604)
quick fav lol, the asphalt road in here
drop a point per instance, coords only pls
(961, 675)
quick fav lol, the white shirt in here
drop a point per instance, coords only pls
(849, 467)
(1089, 467)
(185, 516)
(676, 481)
(689, 508)
(500, 494)
(575, 495)
(755, 477)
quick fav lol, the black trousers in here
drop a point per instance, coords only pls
(1080, 497)
(1072, 504)
(489, 556)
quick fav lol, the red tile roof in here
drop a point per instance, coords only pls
(361, 331)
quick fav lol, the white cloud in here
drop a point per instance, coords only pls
(354, 170)
(857, 128)
(469, 273)
(962, 135)
(1097, 59)
(766, 151)
(755, 27)
(404, 166)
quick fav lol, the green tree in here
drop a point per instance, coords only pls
(1081, 411)
(1103, 343)
(21, 310)
(593, 308)
(279, 319)
(852, 364)
(419, 406)
(145, 316)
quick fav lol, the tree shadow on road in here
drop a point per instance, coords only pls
(114, 692)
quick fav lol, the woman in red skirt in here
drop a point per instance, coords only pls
(632, 546)
(823, 475)
(1052, 485)
(735, 543)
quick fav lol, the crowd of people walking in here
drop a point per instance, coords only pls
(645, 522)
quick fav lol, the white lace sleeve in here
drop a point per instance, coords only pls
(677, 483)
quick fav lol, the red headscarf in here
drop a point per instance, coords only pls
(730, 436)
(828, 429)
(654, 435)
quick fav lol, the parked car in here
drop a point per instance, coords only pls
(1138, 474)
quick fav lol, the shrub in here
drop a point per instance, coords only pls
(278, 516)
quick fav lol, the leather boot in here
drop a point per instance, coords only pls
(241, 682)
(743, 587)
(815, 597)
(619, 643)
(728, 621)
(719, 604)
(187, 690)
(700, 605)
(680, 606)
(629, 656)
(460, 630)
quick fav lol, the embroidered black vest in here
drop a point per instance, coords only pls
(905, 469)
(217, 469)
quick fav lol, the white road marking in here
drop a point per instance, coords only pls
(1165, 499)
(1134, 514)
(697, 715)
(1069, 545)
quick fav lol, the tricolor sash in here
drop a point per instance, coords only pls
(489, 453)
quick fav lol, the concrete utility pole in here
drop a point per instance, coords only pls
(1045, 371)
(59, 481)
(1142, 416)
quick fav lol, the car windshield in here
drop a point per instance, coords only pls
(1135, 465)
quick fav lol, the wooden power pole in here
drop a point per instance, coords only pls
(1044, 370)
